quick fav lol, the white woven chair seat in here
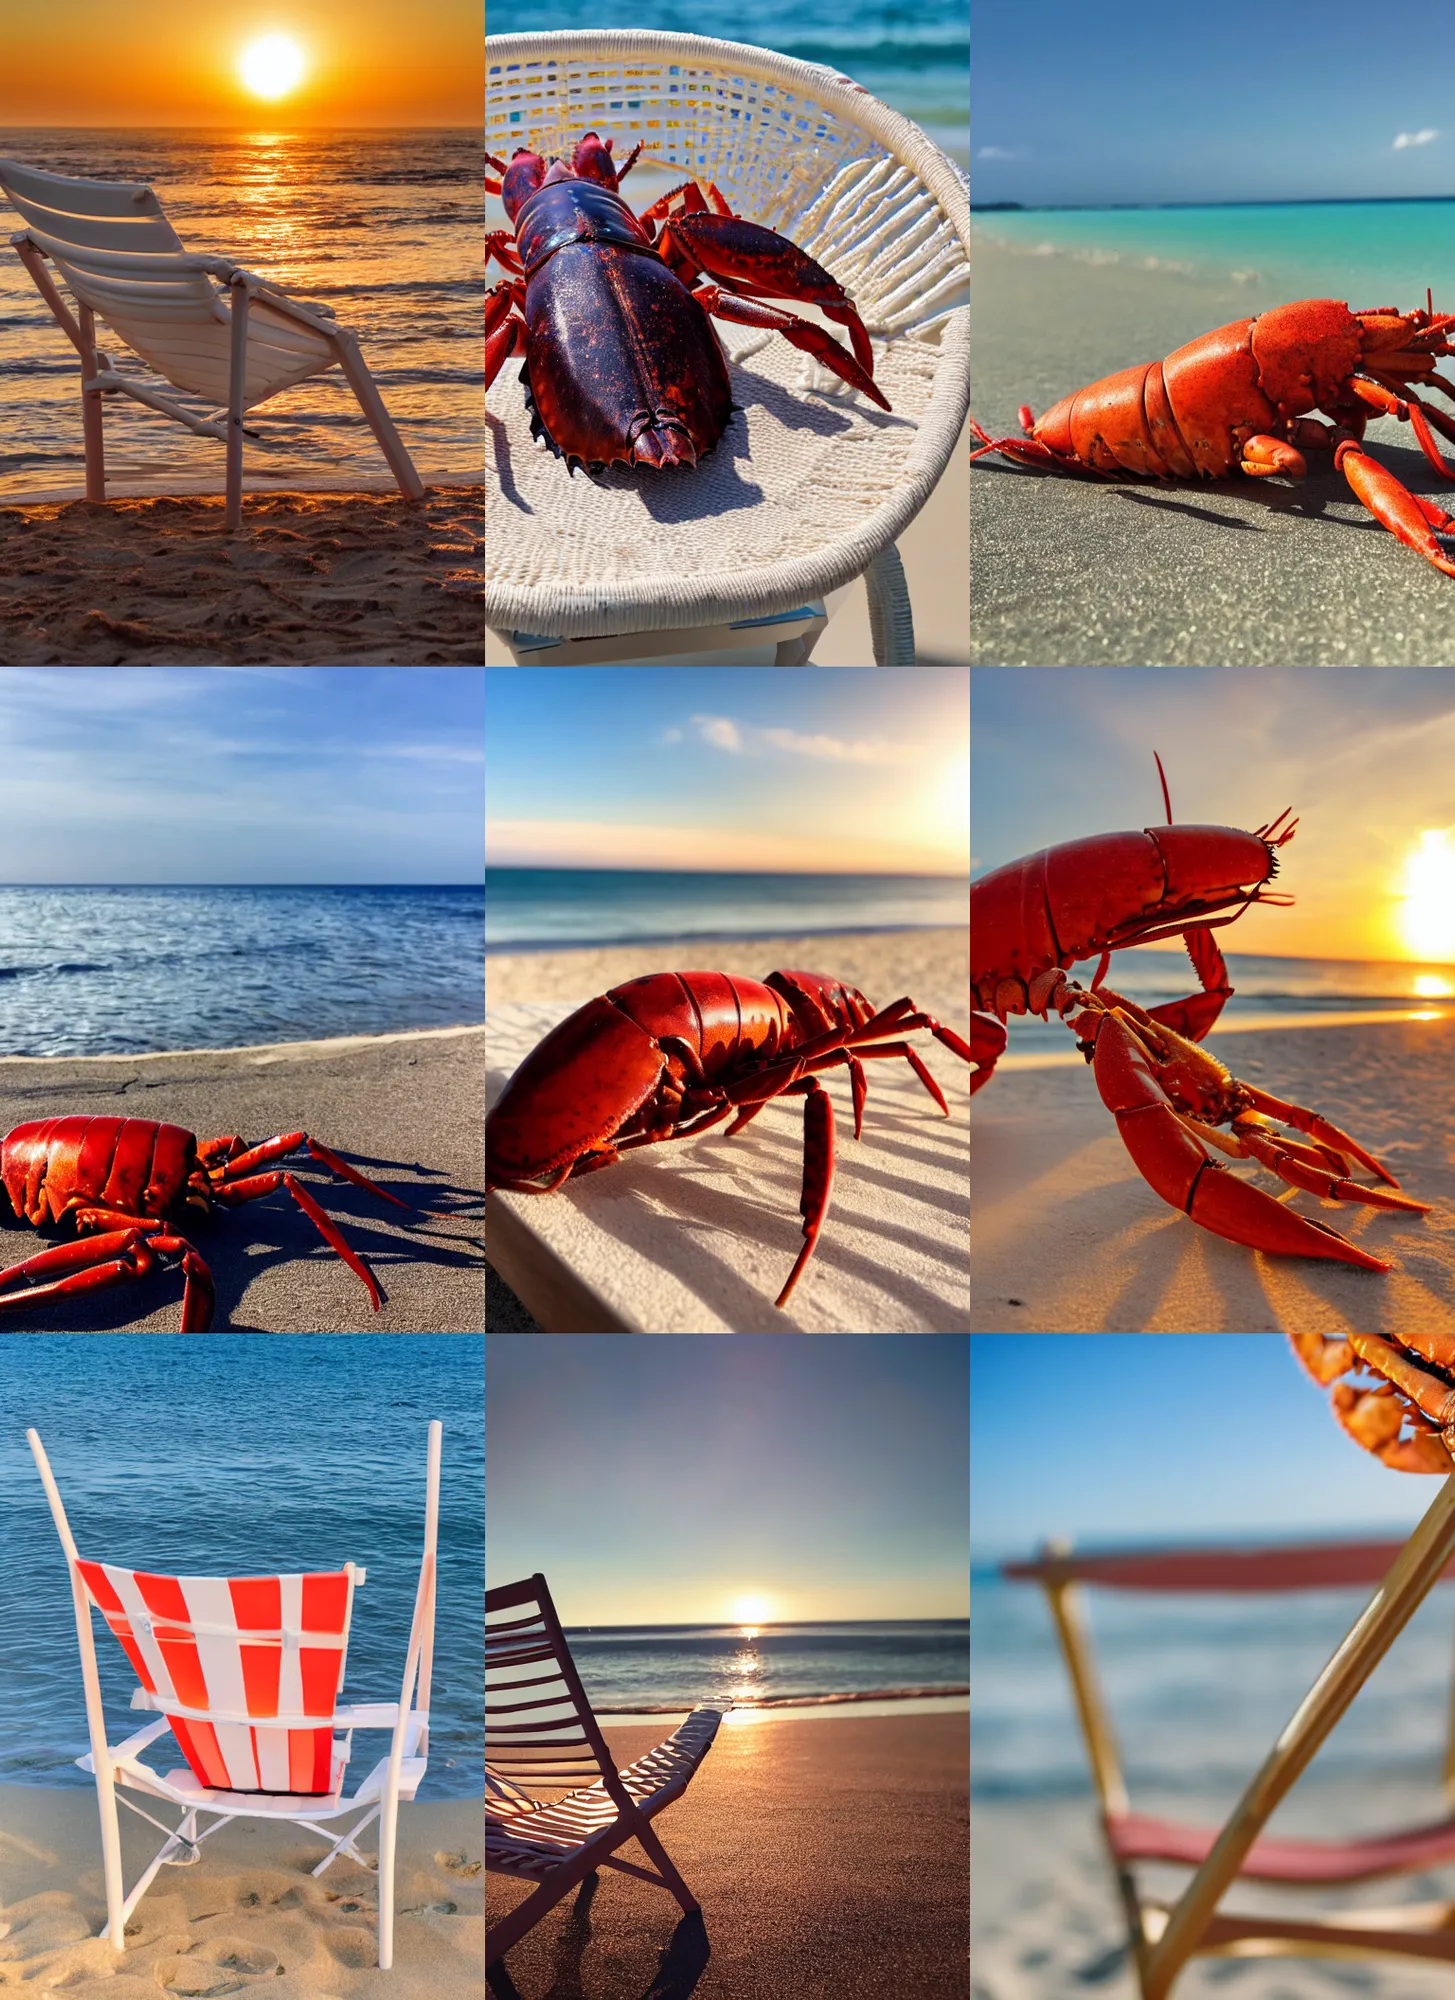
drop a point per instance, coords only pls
(810, 481)
(530, 1837)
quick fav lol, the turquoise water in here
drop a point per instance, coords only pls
(1371, 253)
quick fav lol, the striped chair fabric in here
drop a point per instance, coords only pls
(246, 1670)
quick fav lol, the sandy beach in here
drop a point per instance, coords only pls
(396, 1105)
(1069, 1238)
(1047, 1921)
(916, 1260)
(249, 1915)
(829, 1859)
(321, 579)
(1237, 572)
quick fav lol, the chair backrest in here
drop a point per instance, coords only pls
(246, 1670)
(540, 1732)
(119, 253)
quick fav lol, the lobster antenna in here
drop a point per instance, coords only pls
(1166, 795)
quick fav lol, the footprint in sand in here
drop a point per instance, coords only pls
(355, 1948)
(221, 1966)
(458, 1864)
(441, 1909)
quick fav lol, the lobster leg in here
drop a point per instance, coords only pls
(292, 1142)
(93, 1262)
(1195, 1015)
(236, 1192)
(988, 1038)
(1320, 1129)
(1412, 520)
(1302, 1167)
(803, 334)
(1177, 1167)
(818, 1175)
(504, 329)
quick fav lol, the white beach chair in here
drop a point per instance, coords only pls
(205, 324)
(245, 1672)
(540, 1735)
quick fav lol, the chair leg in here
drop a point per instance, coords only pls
(359, 379)
(648, 1840)
(388, 1831)
(91, 411)
(111, 1858)
(891, 619)
(237, 396)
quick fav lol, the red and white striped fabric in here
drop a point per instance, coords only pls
(220, 1657)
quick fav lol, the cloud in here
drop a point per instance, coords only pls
(1005, 152)
(1420, 138)
(725, 734)
(671, 736)
(547, 843)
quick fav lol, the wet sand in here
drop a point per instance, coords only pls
(249, 1915)
(323, 579)
(398, 1107)
(1236, 572)
(1068, 1238)
(828, 1856)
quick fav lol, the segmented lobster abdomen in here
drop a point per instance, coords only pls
(134, 1165)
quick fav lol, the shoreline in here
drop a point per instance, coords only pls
(314, 1046)
(657, 939)
(779, 1701)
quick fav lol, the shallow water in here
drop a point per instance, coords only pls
(384, 227)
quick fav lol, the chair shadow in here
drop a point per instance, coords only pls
(683, 1960)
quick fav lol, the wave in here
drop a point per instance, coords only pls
(825, 1700)
(900, 56)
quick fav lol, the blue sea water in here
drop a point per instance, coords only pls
(541, 908)
(1369, 253)
(120, 971)
(215, 1457)
(915, 58)
(384, 227)
(647, 1669)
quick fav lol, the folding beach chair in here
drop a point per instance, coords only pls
(245, 1673)
(1164, 1938)
(235, 342)
(540, 1734)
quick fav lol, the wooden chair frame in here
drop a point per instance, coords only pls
(552, 1740)
(1163, 1939)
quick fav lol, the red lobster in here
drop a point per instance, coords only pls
(1407, 1420)
(1033, 918)
(621, 362)
(124, 1177)
(669, 1055)
(1237, 400)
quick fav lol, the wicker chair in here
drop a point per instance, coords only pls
(807, 491)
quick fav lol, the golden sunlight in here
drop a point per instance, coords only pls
(751, 1611)
(1433, 986)
(272, 66)
(1427, 919)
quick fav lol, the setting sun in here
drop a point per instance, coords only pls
(752, 1610)
(272, 66)
(1427, 917)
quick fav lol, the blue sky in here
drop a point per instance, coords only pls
(1366, 758)
(738, 769)
(242, 774)
(1131, 1438)
(663, 1480)
(1138, 101)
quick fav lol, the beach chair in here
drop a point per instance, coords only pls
(1164, 1937)
(205, 324)
(244, 1673)
(542, 1738)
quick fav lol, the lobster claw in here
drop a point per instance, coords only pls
(1173, 1162)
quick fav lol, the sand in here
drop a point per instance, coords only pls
(1072, 572)
(397, 1106)
(829, 1859)
(1047, 1922)
(248, 1916)
(699, 1237)
(932, 549)
(1068, 1237)
(323, 579)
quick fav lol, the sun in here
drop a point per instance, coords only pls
(272, 67)
(751, 1610)
(1427, 915)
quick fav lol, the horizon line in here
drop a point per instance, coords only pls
(242, 885)
(1241, 201)
(241, 125)
(828, 874)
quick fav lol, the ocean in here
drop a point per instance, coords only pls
(536, 909)
(916, 58)
(1369, 253)
(384, 227)
(1269, 992)
(663, 1669)
(230, 1456)
(1199, 1688)
(122, 971)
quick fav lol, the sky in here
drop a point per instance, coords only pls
(1126, 1439)
(743, 768)
(172, 62)
(665, 1481)
(1138, 101)
(241, 774)
(1366, 759)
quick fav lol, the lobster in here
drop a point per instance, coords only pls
(1238, 400)
(669, 1055)
(118, 1182)
(1034, 918)
(621, 362)
(1407, 1420)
